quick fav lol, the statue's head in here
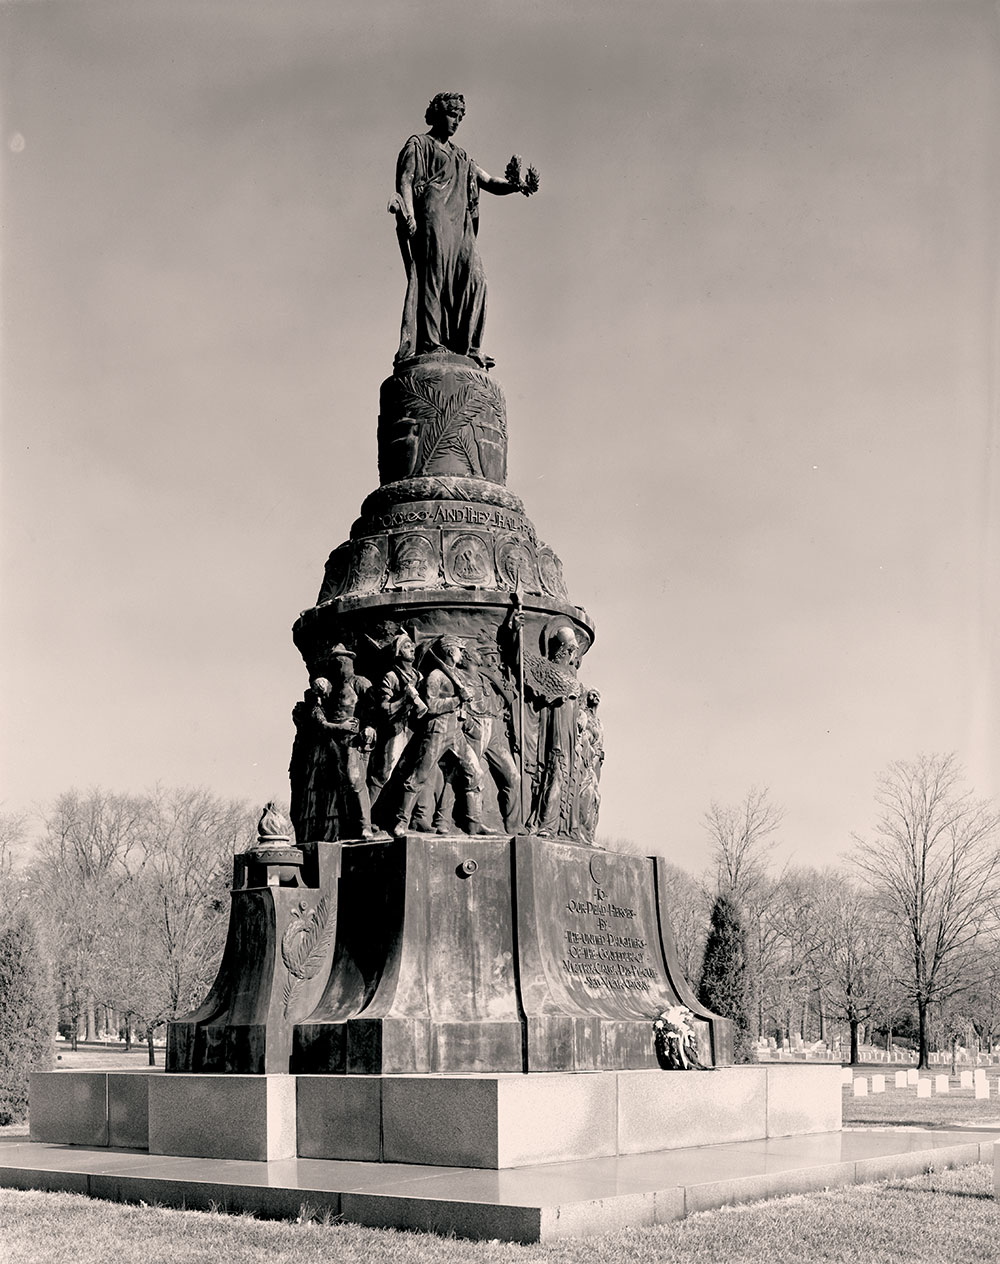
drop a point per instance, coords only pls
(488, 653)
(470, 656)
(445, 105)
(320, 686)
(343, 660)
(449, 650)
(563, 646)
(403, 649)
(593, 699)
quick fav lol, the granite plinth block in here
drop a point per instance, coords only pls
(128, 1110)
(92, 1108)
(802, 1099)
(511, 1121)
(488, 1121)
(339, 1114)
(539, 1122)
(669, 1110)
(69, 1107)
(223, 1116)
(498, 1121)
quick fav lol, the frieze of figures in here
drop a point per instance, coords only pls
(479, 732)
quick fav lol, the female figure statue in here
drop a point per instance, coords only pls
(437, 217)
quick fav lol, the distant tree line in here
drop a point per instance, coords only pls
(119, 915)
(902, 940)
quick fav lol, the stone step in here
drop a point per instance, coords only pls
(531, 1204)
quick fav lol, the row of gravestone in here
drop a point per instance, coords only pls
(925, 1085)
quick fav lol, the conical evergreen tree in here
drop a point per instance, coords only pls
(724, 982)
(27, 1014)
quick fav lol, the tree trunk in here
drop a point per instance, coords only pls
(854, 1042)
(149, 1046)
(954, 1055)
(923, 1045)
(822, 1018)
(888, 1039)
(128, 1035)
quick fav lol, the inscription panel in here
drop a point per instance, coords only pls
(438, 513)
(598, 940)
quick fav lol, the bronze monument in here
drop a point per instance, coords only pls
(453, 910)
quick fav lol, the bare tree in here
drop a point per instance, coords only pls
(766, 917)
(786, 941)
(91, 834)
(850, 955)
(13, 836)
(81, 867)
(741, 838)
(934, 866)
(983, 1001)
(136, 898)
(160, 950)
(689, 904)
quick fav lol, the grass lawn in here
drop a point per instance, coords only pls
(104, 1058)
(947, 1216)
(902, 1107)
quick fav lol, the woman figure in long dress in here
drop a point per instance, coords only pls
(437, 219)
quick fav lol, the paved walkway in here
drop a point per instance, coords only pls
(517, 1204)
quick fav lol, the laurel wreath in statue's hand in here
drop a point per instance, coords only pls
(529, 184)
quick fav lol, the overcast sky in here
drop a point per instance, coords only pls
(746, 332)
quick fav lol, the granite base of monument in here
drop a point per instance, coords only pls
(544, 1202)
(482, 1121)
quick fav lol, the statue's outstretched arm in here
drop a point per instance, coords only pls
(494, 184)
(511, 181)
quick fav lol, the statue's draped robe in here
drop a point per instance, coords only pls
(551, 691)
(446, 294)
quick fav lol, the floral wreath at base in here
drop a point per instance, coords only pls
(676, 1043)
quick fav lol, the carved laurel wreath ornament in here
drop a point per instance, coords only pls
(304, 947)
